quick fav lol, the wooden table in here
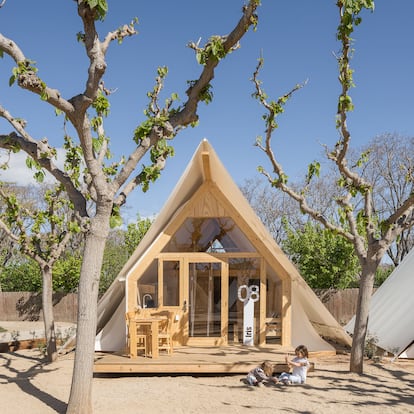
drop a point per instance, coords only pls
(153, 325)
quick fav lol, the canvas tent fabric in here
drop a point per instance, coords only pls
(310, 318)
(391, 321)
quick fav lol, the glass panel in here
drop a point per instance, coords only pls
(218, 235)
(241, 272)
(273, 310)
(171, 280)
(274, 297)
(205, 299)
(148, 287)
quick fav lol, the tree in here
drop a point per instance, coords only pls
(115, 256)
(66, 272)
(135, 232)
(7, 248)
(391, 158)
(21, 276)
(359, 222)
(42, 232)
(270, 207)
(325, 260)
(119, 247)
(107, 184)
(273, 208)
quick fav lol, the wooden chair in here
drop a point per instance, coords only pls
(165, 334)
(140, 335)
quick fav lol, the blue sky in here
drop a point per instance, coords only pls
(297, 40)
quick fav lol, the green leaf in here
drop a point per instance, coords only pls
(30, 162)
(44, 96)
(12, 79)
(116, 219)
(39, 176)
(100, 6)
(162, 71)
(313, 169)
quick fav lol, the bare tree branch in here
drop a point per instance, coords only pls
(188, 113)
(273, 108)
(119, 35)
(28, 79)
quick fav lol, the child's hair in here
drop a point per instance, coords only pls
(302, 349)
(267, 368)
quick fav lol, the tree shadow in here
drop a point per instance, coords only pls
(30, 308)
(24, 379)
(375, 391)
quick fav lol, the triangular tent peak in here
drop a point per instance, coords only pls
(210, 235)
(203, 254)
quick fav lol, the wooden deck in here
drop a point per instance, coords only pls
(236, 359)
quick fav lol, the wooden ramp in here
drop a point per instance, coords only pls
(237, 359)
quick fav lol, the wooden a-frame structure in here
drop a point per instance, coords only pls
(199, 260)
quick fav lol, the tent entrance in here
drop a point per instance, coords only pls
(206, 314)
(213, 314)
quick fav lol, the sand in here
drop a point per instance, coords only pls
(29, 385)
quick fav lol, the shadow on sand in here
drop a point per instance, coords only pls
(24, 378)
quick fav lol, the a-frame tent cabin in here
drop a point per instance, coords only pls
(391, 320)
(204, 245)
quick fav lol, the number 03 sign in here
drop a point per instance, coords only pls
(248, 295)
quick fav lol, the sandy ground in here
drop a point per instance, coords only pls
(29, 385)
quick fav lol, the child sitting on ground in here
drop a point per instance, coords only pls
(261, 375)
(299, 365)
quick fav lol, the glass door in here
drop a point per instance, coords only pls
(205, 308)
(213, 312)
(244, 277)
(204, 300)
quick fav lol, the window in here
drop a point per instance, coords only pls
(148, 287)
(171, 283)
(219, 235)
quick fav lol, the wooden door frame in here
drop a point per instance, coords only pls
(206, 258)
(185, 258)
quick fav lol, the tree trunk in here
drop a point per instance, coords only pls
(80, 399)
(361, 317)
(48, 318)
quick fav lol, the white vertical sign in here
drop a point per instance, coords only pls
(248, 295)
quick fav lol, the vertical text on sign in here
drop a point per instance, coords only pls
(248, 295)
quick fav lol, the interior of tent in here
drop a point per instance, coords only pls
(206, 260)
